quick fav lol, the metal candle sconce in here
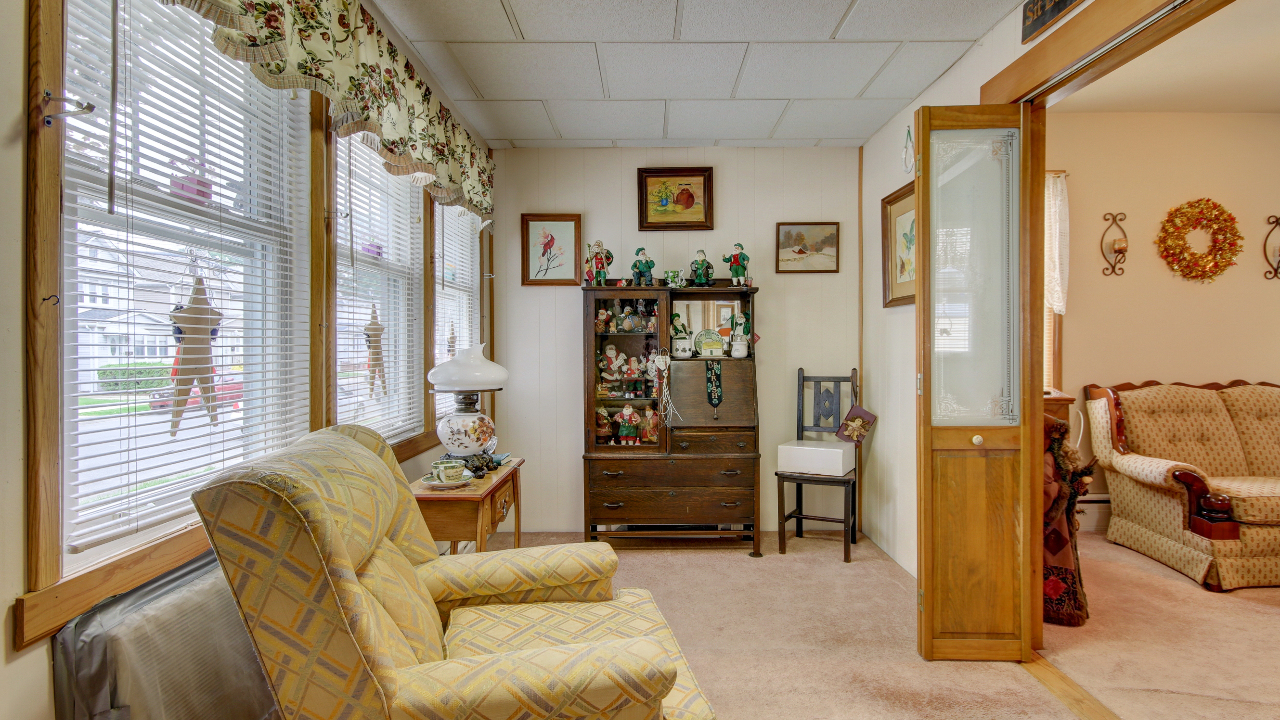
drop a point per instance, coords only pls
(1274, 272)
(1119, 246)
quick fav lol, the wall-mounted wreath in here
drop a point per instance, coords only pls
(1225, 241)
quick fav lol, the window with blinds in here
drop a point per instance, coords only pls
(456, 289)
(381, 262)
(184, 271)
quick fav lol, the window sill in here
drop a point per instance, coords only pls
(39, 614)
(415, 446)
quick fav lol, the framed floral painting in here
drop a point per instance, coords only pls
(550, 249)
(675, 198)
(898, 228)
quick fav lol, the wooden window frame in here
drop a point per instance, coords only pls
(51, 599)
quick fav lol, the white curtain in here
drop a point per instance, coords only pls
(1056, 242)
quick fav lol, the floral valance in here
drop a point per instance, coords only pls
(335, 48)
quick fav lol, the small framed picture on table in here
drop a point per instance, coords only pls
(550, 249)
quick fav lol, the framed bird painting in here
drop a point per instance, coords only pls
(550, 249)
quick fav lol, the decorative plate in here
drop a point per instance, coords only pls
(709, 343)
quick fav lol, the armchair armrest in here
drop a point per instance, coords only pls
(1209, 512)
(588, 680)
(579, 572)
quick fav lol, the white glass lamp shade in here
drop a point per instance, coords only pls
(468, 371)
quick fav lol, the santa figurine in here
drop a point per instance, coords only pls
(602, 320)
(604, 426)
(700, 271)
(611, 367)
(651, 375)
(628, 425)
(642, 269)
(737, 265)
(633, 378)
(649, 426)
(597, 264)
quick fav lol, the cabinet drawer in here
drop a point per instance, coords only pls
(502, 502)
(715, 442)
(687, 504)
(675, 472)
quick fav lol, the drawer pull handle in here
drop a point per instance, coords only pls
(713, 438)
(611, 473)
(730, 504)
(742, 444)
(673, 494)
(613, 506)
(684, 446)
(730, 472)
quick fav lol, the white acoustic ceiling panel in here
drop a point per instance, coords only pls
(448, 20)
(811, 70)
(914, 68)
(532, 71)
(761, 20)
(671, 70)
(562, 143)
(508, 119)
(836, 118)
(452, 77)
(924, 19)
(723, 118)
(631, 119)
(769, 142)
(666, 142)
(596, 20)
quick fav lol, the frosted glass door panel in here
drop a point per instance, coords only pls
(973, 276)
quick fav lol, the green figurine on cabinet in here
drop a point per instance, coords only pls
(737, 266)
(642, 269)
(700, 271)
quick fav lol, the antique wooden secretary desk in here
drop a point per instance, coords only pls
(699, 475)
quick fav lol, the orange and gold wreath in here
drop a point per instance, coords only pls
(1225, 241)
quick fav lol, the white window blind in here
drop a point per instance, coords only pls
(457, 288)
(381, 313)
(190, 172)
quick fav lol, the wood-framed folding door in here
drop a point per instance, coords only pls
(979, 294)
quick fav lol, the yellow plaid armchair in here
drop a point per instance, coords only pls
(354, 614)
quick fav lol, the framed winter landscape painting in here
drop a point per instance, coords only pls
(550, 249)
(898, 226)
(808, 247)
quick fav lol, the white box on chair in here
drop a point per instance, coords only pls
(816, 457)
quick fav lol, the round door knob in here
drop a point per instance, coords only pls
(977, 439)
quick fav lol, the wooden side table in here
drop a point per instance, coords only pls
(472, 512)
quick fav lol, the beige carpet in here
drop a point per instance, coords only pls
(1158, 646)
(803, 636)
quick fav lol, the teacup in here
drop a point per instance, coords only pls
(447, 471)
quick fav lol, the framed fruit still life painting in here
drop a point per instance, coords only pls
(551, 249)
(898, 227)
(675, 198)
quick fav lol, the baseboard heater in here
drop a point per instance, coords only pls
(172, 649)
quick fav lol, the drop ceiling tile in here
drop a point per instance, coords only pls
(562, 143)
(671, 70)
(836, 118)
(507, 118)
(666, 142)
(924, 19)
(532, 71)
(811, 70)
(448, 20)
(914, 68)
(633, 119)
(847, 142)
(726, 119)
(453, 79)
(761, 20)
(595, 21)
(769, 142)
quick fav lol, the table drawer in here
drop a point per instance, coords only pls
(714, 442)
(734, 472)
(686, 504)
(502, 503)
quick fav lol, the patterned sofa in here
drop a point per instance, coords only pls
(353, 613)
(1194, 476)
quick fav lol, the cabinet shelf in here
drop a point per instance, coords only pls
(628, 334)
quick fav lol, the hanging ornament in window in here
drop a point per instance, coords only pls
(195, 325)
(909, 153)
(373, 342)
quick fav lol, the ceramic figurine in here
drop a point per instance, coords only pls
(674, 278)
(604, 426)
(700, 271)
(633, 378)
(678, 328)
(617, 308)
(741, 326)
(653, 324)
(602, 320)
(642, 269)
(611, 367)
(597, 264)
(628, 425)
(630, 323)
(651, 375)
(737, 266)
(649, 426)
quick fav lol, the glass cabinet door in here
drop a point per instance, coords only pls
(627, 328)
